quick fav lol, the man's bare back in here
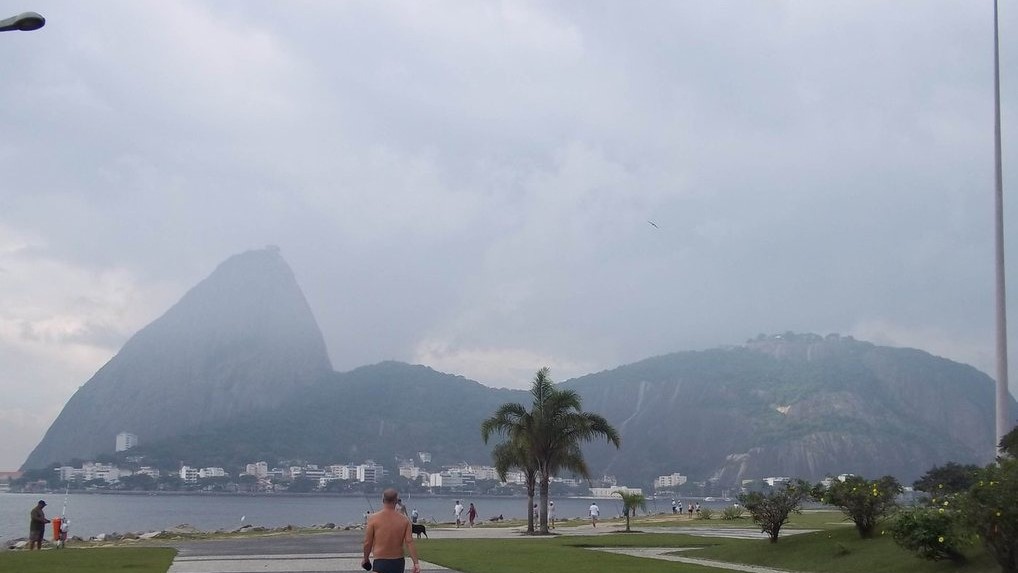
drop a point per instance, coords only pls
(387, 532)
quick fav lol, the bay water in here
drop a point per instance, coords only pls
(94, 513)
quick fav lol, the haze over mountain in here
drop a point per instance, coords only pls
(237, 372)
(236, 343)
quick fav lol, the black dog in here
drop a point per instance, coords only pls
(418, 529)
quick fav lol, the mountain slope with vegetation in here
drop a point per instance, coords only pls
(237, 372)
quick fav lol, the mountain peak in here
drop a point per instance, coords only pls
(235, 343)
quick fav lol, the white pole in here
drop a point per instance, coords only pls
(1003, 416)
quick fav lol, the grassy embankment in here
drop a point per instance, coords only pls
(98, 560)
(836, 548)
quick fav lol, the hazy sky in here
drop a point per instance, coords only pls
(469, 185)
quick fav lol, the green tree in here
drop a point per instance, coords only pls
(949, 478)
(1009, 443)
(771, 510)
(631, 501)
(549, 435)
(560, 427)
(865, 502)
(515, 454)
(991, 509)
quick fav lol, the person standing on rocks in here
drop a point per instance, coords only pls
(37, 526)
(384, 537)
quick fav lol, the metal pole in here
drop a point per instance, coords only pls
(1003, 416)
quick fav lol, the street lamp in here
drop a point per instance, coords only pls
(24, 22)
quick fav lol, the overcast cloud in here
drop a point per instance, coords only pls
(468, 185)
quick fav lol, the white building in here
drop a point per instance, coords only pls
(369, 471)
(425, 457)
(189, 474)
(148, 471)
(451, 478)
(606, 492)
(211, 472)
(257, 469)
(669, 481)
(126, 441)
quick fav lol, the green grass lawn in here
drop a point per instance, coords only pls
(98, 560)
(837, 548)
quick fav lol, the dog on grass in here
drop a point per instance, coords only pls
(418, 529)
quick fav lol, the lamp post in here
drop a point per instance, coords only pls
(24, 22)
(1002, 410)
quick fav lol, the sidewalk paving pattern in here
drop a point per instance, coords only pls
(661, 554)
(340, 551)
(281, 563)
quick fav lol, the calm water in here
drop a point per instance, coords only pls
(92, 514)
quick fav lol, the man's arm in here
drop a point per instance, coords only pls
(408, 540)
(369, 539)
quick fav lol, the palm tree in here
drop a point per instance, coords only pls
(631, 500)
(508, 455)
(514, 422)
(559, 427)
(546, 439)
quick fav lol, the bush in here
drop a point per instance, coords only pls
(991, 509)
(932, 532)
(705, 513)
(732, 512)
(770, 511)
(865, 502)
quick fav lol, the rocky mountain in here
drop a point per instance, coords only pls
(237, 371)
(237, 343)
(792, 405)
(374, 412)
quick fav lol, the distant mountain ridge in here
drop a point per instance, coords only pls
(237, 372)
(793, 405)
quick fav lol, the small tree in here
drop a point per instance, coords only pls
(864, 502)
(771, 510)
(630, 502)
(991, 509)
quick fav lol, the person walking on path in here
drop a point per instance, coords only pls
(384, 537)
(37, 526)
(551, 514)
(458, 510)
(594, 513)
(471, 514)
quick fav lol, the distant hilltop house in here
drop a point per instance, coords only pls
(126, 441)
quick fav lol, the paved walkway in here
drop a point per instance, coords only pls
(661, 554)
(340, 551)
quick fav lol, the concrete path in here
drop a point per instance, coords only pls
(660, 554)
(340, 551)
(279, 563)
(330, 552)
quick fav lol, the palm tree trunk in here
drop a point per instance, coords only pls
(530, 510)
(544, 504)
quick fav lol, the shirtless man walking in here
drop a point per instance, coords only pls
(385, 535)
